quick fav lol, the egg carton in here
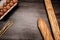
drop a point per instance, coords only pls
(1, 2)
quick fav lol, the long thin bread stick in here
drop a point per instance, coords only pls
(6, 26)
(52, 19)
(44, 29)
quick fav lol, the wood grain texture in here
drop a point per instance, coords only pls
(44, 29)
(52, 19)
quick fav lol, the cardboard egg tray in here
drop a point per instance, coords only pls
(1, 3)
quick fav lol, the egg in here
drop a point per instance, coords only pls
(4, 4)
(11, 3)
(1, 10)
(4, 10)
(1, 7)
(4, 7)
(8, 7)
(14, 1)
(1, 13)
(7, 1)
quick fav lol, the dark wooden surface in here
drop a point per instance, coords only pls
(25, 21)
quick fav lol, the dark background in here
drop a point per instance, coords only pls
(38, 0)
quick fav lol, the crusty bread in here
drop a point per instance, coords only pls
(44, 29)
(52, 19)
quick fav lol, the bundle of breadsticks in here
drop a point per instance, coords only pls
(5, 27)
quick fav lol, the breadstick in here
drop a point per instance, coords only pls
(6, 26)
(44, 29)
(52, 19)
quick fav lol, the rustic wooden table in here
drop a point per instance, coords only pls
(25, 21)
